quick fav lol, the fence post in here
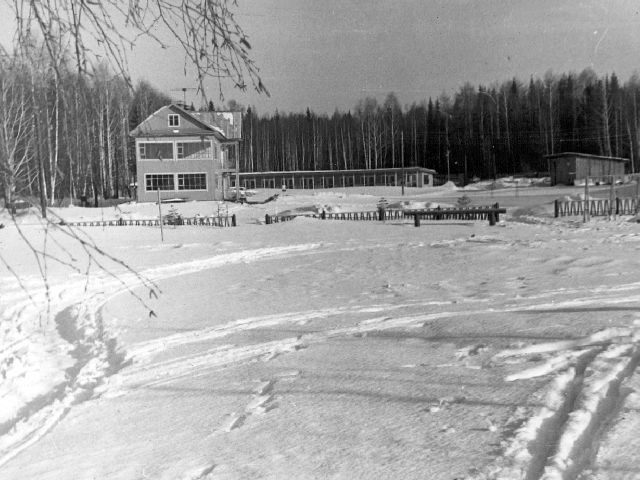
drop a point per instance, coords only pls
(416, 219)
(617, 206)
(556, 208)
(381, 214)
(267, 219)
(497, 214)
(323, 215)
(233, 220)
(492, 217)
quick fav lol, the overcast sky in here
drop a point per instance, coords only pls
(327, 54)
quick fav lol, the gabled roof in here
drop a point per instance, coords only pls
(584, 155)
(191, 123)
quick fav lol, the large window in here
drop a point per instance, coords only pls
(155, 150)
(159, 181)
(194, 150)
(192, 181)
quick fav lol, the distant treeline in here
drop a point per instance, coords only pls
(65, 134)
(482, 131)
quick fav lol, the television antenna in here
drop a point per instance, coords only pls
(184, 93)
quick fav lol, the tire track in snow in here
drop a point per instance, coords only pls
(142, 353)
(89, 372)
(560, 440)
(143, 371)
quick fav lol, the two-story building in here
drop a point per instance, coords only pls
(186, 155)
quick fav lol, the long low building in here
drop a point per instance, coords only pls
(317, 179)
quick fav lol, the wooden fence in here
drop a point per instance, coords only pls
(598, 207)
(453, 213)
(490, 213)
(218, 221)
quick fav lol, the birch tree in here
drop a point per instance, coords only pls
(213, 42)
(15, 129)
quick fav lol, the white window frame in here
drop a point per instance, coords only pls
(177, 182)
(174, 116)
(181, 145)
(142, 146)
(146, 184)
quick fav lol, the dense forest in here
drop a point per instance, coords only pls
(64, 133)
(482, 131)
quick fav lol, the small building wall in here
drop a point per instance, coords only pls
(599, 170)
(209, 166)
(566, 168)
(148, 167)
(563, 171)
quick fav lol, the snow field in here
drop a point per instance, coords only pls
(308, 350)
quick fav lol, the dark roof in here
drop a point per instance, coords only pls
(585, 155)
(325, 172)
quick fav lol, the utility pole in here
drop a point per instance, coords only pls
(402, 159)
(446, 130)
(160, 215)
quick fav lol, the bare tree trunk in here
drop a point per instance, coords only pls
(125, 151)
(633, 168)
(393, 140)
(605, 122)
(101, 152)
(54, 155)
(551, 133)
(350, 144)
(109, 168)
(344, 151)
(415, 139)
(506, 127)
(42, 184)
(635, 125)
(543, 132)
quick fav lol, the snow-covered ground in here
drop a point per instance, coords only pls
(322, 349)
